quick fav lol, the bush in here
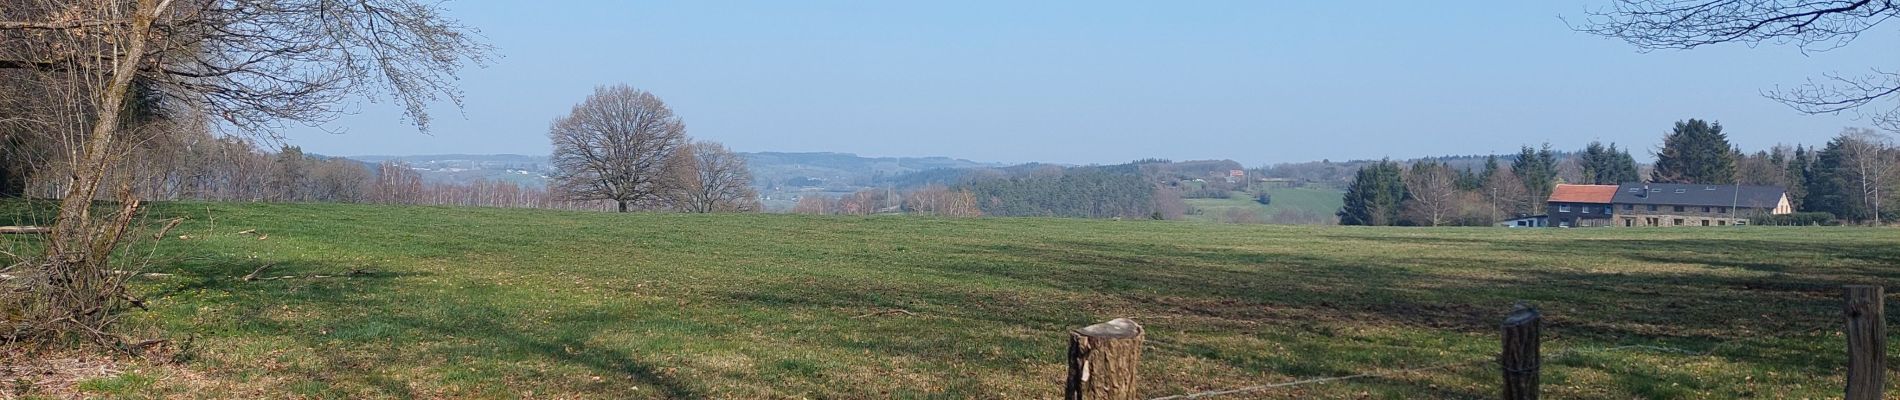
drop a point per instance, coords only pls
(1796, 219)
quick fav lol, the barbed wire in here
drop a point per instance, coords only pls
(1257, 388)
(1568, 352)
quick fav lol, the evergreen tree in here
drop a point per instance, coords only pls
(1624, 167)
(1467, 180)
(1798, 178)
(1607, 165)
(1695, 152)
(1538, 170)
(1375, 195)
(1490, 168)
(1592, 161)
(1830, 187)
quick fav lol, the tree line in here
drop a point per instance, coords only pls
(1146, 189)
(1853, 178)
(188, 162)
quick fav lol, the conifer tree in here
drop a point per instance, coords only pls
(1375, 195)
(1695, 152)
(1798, 178)
(1538, 170)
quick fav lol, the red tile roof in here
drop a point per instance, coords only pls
(1583, 194)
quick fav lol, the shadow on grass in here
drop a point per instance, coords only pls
(358, 324)
(1697, 311)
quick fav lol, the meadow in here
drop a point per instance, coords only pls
(437, 302)
(1289, 205)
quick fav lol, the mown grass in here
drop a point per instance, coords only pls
(492, 303)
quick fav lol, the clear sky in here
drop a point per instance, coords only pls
(1107, 81)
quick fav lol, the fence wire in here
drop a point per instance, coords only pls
(1553, 357)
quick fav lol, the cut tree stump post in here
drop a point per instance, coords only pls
(1520, 359)
(1103, 360)
(1866, 342)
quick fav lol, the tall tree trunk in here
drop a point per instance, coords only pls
(79, 246)
(623, 205)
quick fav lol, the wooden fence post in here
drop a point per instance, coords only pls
(1102, 361)
(1520, 359)
(1866, 342)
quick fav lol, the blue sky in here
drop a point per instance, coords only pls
(1106, 81)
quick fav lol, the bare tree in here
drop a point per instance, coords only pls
(109, 67)
(1434, 194)
(815, 204)
(616, 146)
(942, 201)
(1870, 154)
(708, 177)
(1506, 193)
(1817, 25)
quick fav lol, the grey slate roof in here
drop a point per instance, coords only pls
(1676, 194)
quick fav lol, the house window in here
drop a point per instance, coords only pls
(1678, 209)
(1705, 222)
(1629, 222)
(1629, 207)
(1652, 207)
(1708, 209)
(1586, 209)
(1722, 222)
(1721, 209)
(1563, 208)
(1652, 221)
(1607, 209)
(1741, 222)
(1678, 222)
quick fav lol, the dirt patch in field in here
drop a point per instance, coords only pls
(55, 375)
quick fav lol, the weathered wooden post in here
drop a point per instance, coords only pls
(1866, 342)
(1520, 359)
(1103, 360)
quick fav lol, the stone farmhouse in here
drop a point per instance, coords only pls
(1662, 204)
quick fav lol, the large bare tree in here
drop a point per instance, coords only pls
(708, 177)
(105, 69)
(616, 146)
(1434, 193)
(1812, 25)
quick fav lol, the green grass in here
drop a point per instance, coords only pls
(1287, 203)
(492, 303)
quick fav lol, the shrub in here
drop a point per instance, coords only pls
(1795, 219)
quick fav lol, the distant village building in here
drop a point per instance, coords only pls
(1662, 204)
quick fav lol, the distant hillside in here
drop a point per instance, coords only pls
(841, 170)
(771, 171)
(466, 168)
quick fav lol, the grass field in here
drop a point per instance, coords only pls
(1310, 202)
(493, 303)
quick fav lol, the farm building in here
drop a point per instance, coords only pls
(1534, 221)
(1665, 204)
(1580, 205)
(1662, 204)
